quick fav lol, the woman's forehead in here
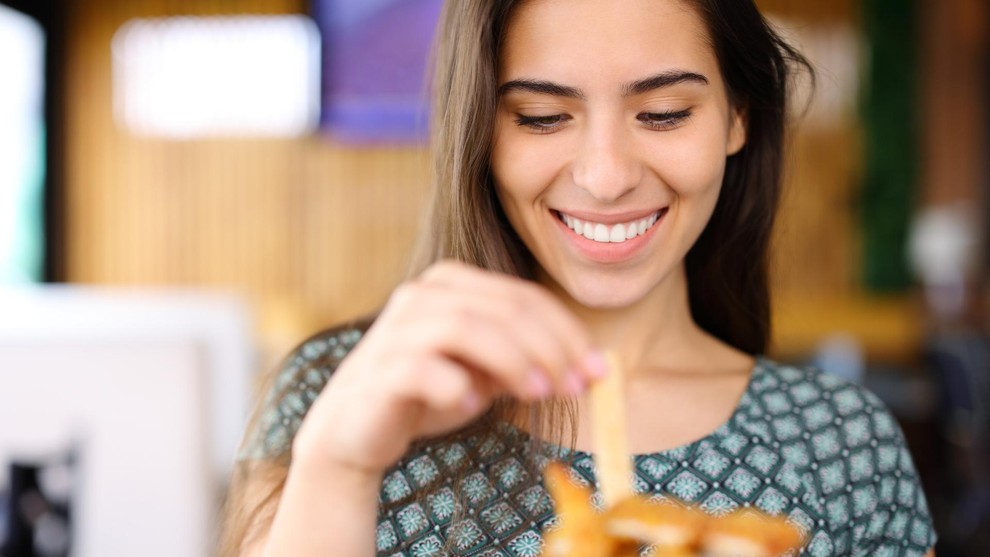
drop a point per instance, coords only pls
(573, 41)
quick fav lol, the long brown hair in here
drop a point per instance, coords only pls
(727, 269)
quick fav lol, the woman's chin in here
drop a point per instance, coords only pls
(604, 297)
(600, 290)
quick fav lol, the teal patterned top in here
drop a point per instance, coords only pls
(803, 444)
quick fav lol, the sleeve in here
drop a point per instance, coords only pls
(890, 512)
(291, 392)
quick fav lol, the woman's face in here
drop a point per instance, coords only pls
(611, 138)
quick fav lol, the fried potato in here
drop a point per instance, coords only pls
(665, 527)
(750, 534)
(670, 530)
(581, 532)
(631, 521)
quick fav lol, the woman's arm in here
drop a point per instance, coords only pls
(324, 507)
(300, 510)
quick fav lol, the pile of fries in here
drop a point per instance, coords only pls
(670, 530)
(631, 521)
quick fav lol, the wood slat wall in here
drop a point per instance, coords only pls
(314, 232)
(310, 231)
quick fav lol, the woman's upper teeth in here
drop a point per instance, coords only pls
(605, 233)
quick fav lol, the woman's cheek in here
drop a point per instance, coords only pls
(693, 167)
(526, 169)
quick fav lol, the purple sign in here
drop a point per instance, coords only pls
(375, 59)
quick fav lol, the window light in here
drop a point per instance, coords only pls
(228, 76)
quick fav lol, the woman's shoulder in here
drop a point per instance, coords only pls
(777, 388)
(819, 418)
(322, 351)
(293, 387)
(842, 443)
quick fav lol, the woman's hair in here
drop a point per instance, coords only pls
(728, 267)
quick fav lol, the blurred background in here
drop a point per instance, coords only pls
(188, 188)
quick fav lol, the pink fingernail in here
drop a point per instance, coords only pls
(471, 403)
(595, 363)
(539, 385)
(573, 384)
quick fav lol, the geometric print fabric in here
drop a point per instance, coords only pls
(805, 445)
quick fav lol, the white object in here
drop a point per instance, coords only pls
(219, 76)
(153, 386)
(842, 354)
(944, 252)
(943, 247)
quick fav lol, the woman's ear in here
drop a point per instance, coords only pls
(737, 131)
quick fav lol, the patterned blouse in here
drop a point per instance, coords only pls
(807, 445)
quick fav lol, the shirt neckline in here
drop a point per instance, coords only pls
(760, 365)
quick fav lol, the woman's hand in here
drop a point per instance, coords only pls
(443, 348)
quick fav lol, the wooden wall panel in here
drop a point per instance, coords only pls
(956, 40)
(314, 232)
(310, 231)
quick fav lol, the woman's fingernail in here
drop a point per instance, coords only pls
(471, 403)
(596, 365)
(573, 384)
(539, 385)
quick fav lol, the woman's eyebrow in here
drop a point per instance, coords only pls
(540, 87)
(658, 81)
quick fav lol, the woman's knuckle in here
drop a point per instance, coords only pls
(452, 326)
(402, 372)
(555, 359)
(516, 309)
(453, 394)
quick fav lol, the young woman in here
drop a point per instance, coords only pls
(607, 174)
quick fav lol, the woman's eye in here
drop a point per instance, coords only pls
(664, 120)
(542, 124)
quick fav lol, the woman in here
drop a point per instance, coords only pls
(607, 174)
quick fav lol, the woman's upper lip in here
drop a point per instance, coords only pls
(611, 218)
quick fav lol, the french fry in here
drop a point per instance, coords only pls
(748, 534)
(666, 527)
(608, 419)
(581, 532)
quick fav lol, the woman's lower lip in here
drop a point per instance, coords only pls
(602, 252)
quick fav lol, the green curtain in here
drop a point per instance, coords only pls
(889, 115)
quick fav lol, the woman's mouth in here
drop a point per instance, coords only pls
(610, 233)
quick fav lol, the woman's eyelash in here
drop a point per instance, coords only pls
(664, 120)
(655, 120)
(543, 124)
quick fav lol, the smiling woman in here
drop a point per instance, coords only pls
(644, 136)
(607, 175)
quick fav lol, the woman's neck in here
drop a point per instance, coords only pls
(655, 333)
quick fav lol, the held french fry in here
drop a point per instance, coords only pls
(608, 420)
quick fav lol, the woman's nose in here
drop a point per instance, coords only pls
(606, 165)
